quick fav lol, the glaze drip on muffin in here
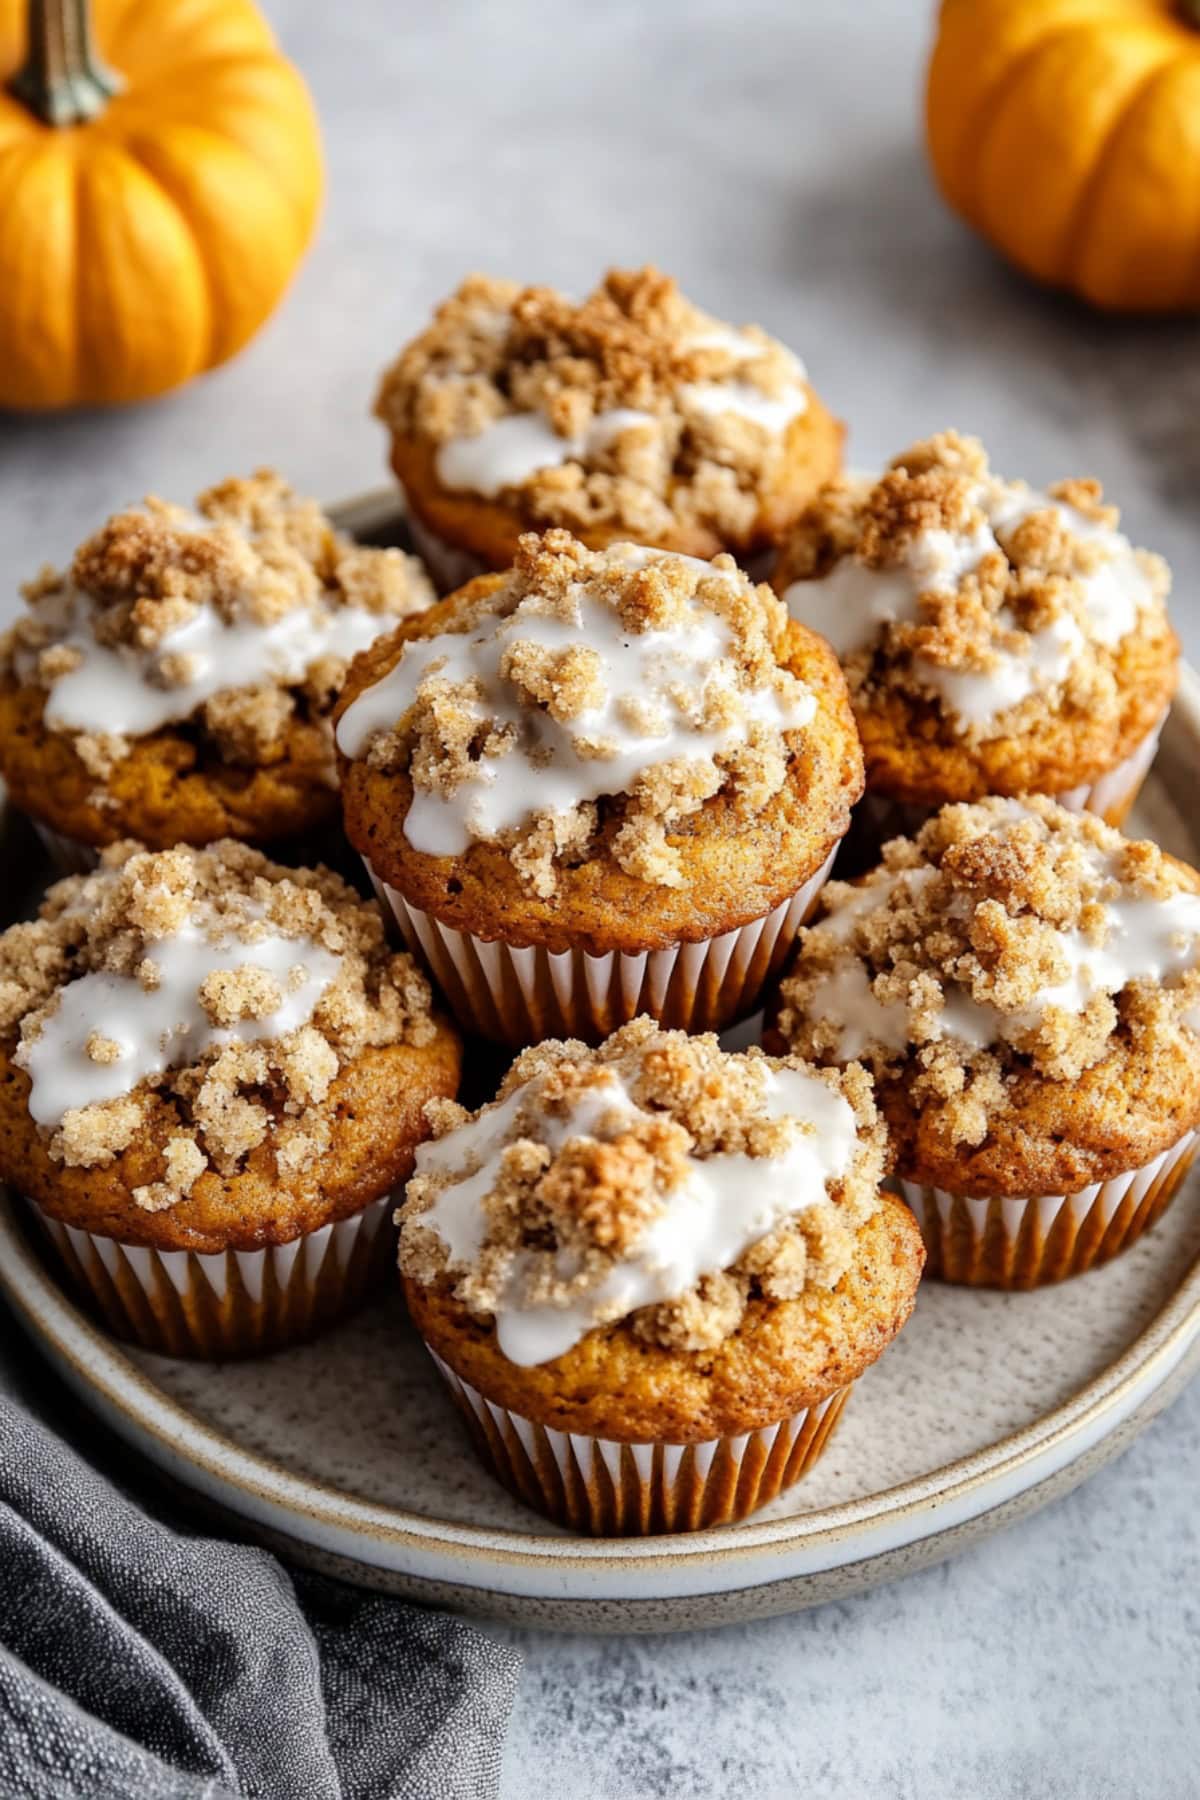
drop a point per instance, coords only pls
(203, 998)
(583, 674)
(995, 602)
(239, 616)
(632, 407)
(655, 1178)
(1006, 937)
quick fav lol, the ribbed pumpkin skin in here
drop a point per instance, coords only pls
(1068, 133)
(151, 243)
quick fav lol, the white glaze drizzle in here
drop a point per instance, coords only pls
(725, 1204)
(163, 1027)
(118, 690)
(508, 789)
(506, 453)
(852, 604)
(114, 688)
(1145, 939)
(514, 447)
(773, 413)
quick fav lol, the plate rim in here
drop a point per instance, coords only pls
(747, 1555)
(103, 1371)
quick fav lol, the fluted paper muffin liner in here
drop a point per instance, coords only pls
(877, 818)
(1026, 1243)
(611, 1489)
(520, 996)
(229, 1302)
(1111, 796)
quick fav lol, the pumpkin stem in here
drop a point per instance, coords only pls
(63, 80)
(1191, 12)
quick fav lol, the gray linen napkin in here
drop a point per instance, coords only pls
(141, 1662)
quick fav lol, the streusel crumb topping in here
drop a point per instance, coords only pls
(237, 618)
(946, 583)
(643, 1169)
(586, 679)
(207, 996)
(661, 413)
(1007, 936)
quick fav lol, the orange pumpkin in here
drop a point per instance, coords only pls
(1068, 133)
(155, 198)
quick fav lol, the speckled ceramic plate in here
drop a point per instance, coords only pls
(346, 1454)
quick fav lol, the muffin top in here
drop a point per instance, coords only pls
(656, 1180)
(990, 604)
(238, 618)
(200, 1005)
(632, 408)
(524, 704)
(1013, 963)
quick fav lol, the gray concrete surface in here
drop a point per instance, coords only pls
(768, 154)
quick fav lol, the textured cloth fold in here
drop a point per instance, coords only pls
(137, 1659)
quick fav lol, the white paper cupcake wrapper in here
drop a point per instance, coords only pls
(1014, 1242)
(1111, 796)
(67, 856)
(612, 1489)
(520, 996)
(229, 1302)
(877, 818)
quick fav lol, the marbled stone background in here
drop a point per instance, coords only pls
(769, 155)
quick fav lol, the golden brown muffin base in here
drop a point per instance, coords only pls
(489, 529)
(1054, 1137)
(1051, 1137)
(987, 1248)
(168, 790)
(877, 819)
(378, 1099)
(194, 1311)
(736, 869)
(784, 1357)
(913, 756)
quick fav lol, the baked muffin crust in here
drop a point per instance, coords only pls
(695, 750)
(629, 415)
(654, 1199)
(785, 1355)
(995, 640)
(176, 683)
(1025, 984)
(201, 1050)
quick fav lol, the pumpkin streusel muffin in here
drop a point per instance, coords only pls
(212, 1076)
(1025, 984)
(631, 415)
(176, 684)
(996, 640)
(608, 782)
(651, 1273)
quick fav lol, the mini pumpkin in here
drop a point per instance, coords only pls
(155, 198)
(1068, 133)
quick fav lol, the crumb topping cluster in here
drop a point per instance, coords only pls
(586, 681)
(662, 413)
(239, 618)
(944, 583)
(273, 980)
(1006, 937)
(576, 1164)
